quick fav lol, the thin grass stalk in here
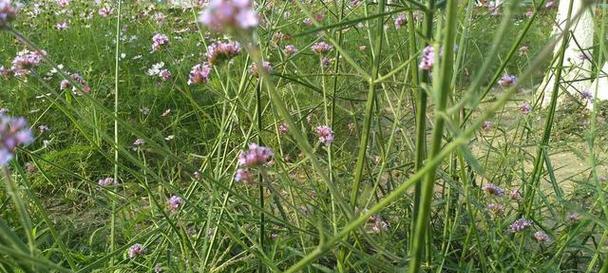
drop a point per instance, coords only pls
(421, 105)
(441, 89)
(369, 107)
(532, 185)
(116, 74)
(258, 96)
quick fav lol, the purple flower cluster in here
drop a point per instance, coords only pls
(14, 131)
(375, 224)
(253, 157)
(253, 69)
(507, 80)
(400, 21)
(224, 15)
(321, 48)
(65, 84)
(493, 189)
(325, 134)
(290, 50)
(135, 251)
(428, 58)
(8, 13)
(175, 202)
(105, 11)
(496, 209)
(525, 108)
(104, 182)
(200, 73)
(220, 51)
(25, 61)
(541, 237)
(158, 41)
(520, 224)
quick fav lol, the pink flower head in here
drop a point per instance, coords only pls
(283, 128)
(105, 11)
(8, 12)
(220, 51)
(159, 40)
(493, 189)
(136, 250)
(175, 202)
(321, 48)
(14, 131)
(256, 155)
(550, 4)
(541, 237)
(507, 80)
(5, 72)
(375, 224)
(496, 209)
(307, 22)
(164, 74)
(244, 176)
(428, 58)
(525, 108)
(63, 3)
(487, 125)
(62, 25)
(200, 73)
(515, 194)
(224, 15)
(25, 61)
(253, 69)
(400, 21)
(326, 62)
(104, 182)
(520, 224)
(325, 134)
(290, 50)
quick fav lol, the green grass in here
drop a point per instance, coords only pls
(314, 209)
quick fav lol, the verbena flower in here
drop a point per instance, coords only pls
(108, 181)
(492, 189)
(165, 74)
(105, 11)
(244, 176)
(496, 209)
(400, 21)
(321, 48)
(515, 194)
(520, 225)
(283, 128)
(541, 237)
(253, 68)
(221, 51)
(325, 134)
(62, 25)
(290, 50)
(136, 250)
(255, 156)
(8, 13)
(159, 40)
(507, 80)
(200, 73)
(375, 224)
(326, 62)
(175, 202)
(428, 58)
(14, 131)
(25, 61)
(573, 217)
(487, 125)
(224, 15)
(63, 3)
(525, 108)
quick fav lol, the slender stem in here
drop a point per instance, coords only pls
(258, 95)
(116, 74)
(441, 88)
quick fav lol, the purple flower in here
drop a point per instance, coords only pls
(375, 224)
(14, 131)
(493, 189)
(253, 69)
(587, 95)
(496, 209)
(487, 125)
(164, 74)
(104, 182)
(325, 134)
(400, 21)
(507, 80)
(525, 108)
(8, 13)
(25, 61)
(283, 128)
(255, 156)
(243, 175)
(428, 58)
(321, 48)
(290, 50)
(326, 62)
(159, 40)
(136, 250)
(515, 194)
(62, 25)
(105, 11)
(520, 224)
(573, 217)
(175, 203)
(541, 237)
(307, 22)
(220, 51)
(200, 73)
(223, 15)
(63, 3)
(5, 72)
